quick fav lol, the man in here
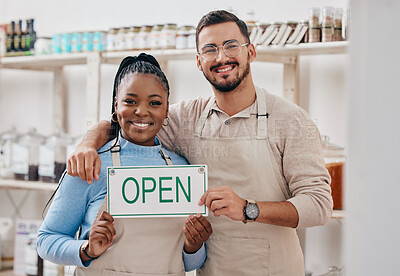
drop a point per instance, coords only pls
(263, 153)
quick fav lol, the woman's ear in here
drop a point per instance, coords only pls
(115, 103)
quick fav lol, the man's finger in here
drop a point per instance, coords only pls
(97, 167)
(89, 168)
(80, 167)
(203, 198)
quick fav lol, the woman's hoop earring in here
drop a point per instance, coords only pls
(167, 122)
(112, 118)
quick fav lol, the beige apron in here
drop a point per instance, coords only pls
(143, 246)
(247, 166)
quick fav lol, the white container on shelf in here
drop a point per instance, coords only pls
(6, 141)
(52, 156)
(25, 156)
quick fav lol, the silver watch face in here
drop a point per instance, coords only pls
(252, 211)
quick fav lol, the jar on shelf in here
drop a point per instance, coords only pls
(99, 41)
(168, 36)
(66, 42)
(52, 157)
(6, 141)
(120, 39)
(337, 24)
(182, 38)
(314, 25)
(144, 37)
(87, 42)
(132, 38)
(155, 35)
(76, 42)
(25, 156)
(192, 37)
(335, 164)
(327, 24)
(111, 38)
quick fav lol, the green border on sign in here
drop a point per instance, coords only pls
(146, 167)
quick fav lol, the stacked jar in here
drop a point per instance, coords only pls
(144, 37)
(168, 36)
(182, 38)
(155, 35)
(314, 25)
(327, 24)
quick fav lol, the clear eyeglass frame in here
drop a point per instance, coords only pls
(231, 48)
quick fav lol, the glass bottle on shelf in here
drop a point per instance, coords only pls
(52, 156)
(327, 24)
(25, 156)
(6, 141)
(314, 25)
(335, 163)
(337, 25)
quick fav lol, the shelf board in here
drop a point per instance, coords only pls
(43, 62)
(286, 54)
(27, 185)
(338, 214)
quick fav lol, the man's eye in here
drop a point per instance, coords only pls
(209, 51)
(155, 103)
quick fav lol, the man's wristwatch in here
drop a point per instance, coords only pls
(84, 248)
(250, 211)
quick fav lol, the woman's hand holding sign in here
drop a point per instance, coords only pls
(197, 230)
(101, 235)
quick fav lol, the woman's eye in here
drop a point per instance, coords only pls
(129, 101)
(155, 103)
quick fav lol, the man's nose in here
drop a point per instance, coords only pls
(221, 54)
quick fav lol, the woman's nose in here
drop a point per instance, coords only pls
(141, 110)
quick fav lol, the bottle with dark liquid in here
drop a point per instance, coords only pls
(18, 37)
(32, 36)
(10, 38)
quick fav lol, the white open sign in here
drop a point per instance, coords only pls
(156, 191)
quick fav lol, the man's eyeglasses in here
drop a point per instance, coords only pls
(231, 48)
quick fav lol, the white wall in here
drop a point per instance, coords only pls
(372, 246)
(25, 97)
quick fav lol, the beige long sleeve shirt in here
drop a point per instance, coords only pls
(293, 137)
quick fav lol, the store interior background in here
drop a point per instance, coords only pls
(26, 97)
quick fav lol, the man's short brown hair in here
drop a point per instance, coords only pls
(217, 17)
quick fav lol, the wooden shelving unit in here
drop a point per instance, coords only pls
(27, 185)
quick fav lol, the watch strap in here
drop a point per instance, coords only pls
(84, 248)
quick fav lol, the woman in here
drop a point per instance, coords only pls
(141, 245)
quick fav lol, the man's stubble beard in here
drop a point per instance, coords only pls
(229, 86)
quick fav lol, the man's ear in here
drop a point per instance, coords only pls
(198, 62)
(252, 52)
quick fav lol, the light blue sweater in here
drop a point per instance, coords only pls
(76, 204)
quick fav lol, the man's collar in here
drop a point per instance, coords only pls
(245, 113)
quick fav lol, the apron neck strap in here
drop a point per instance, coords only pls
(262, 116)
(203, 118)
(115, 153)
(116, 160)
